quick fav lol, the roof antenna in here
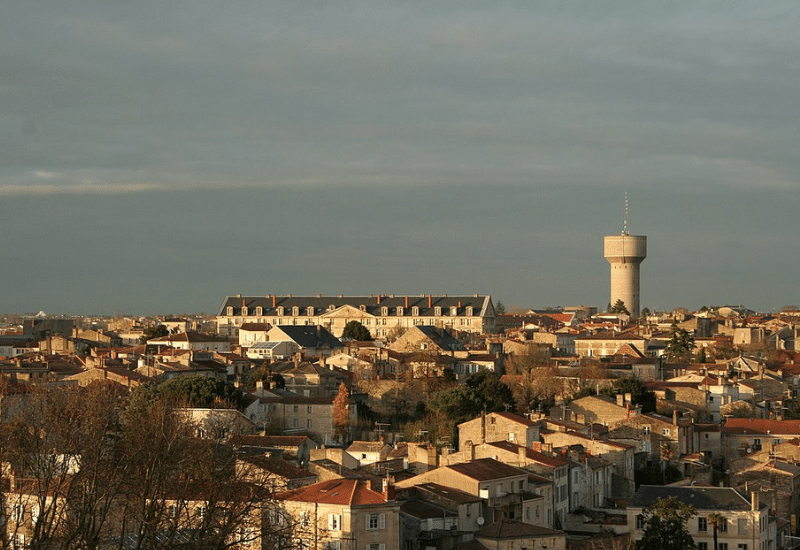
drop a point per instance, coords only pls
(625, 219)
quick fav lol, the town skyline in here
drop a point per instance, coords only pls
(154, 162)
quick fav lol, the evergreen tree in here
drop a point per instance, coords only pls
(665, 526)
(619, 307)
(356, 331)
(680, 345)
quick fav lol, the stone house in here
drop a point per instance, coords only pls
(381, 314)
(747, 525)
(343, 514)
(620, 455)
(498, 426)
(503, 488)
(312, 340)
(516, 535)
(595, 409)
(778, 484)
(742, 436)
(369, 452)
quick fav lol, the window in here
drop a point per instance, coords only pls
(453, 311)
(742, 546)
(229, 311)
(384, 311)
(399, 311)
(702, 546)
(702, 524)
(722, 527)
(173, 511)
(437, 311)
(376, 546)
(334, 522)
(722, 546)
(333, 545)
(259, 311)
(639, 521)
(308, 409)
(665, 431)
(742, 527)
(308, 423)
(245, 311)
(304, 519)
(521, 485)
(200, 511)
(415, 311)
(296, 408)
(18, 513)
(469, 311)
(376, 521)
(646, 429)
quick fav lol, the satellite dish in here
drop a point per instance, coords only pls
(480, 520)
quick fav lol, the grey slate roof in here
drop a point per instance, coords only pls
(372, 304)
(311, 336)
(702, 498)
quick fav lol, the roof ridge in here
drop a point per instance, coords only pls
(353, 494)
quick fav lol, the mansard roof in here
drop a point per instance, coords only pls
(372, 305)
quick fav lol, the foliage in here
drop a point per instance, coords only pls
(192, 391)
(158, 331)
(657, 474)
(341, 412)
(354, 330)
(619, 308)
(665, 526)
(680, 345)
(264, 374)
(645, 312)
(482, 391)
(100, 472)
(639, 394)
(500, 308)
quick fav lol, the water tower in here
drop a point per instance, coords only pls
(625, 253)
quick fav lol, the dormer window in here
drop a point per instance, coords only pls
(362, 307)
(244, 311)
(384, 311)
(469, 311)
(415, 311)
(399, 311)
(229, 311)
(310, 311)
(259, 311)
(331, 307)
(280, 311)
(453, 311)
(437, 311)
(295, 311)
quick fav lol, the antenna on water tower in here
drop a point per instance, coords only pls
(625, 219)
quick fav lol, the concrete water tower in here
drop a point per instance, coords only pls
(625, 253)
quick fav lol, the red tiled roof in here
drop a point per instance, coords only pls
(761, 426)
(347, 492)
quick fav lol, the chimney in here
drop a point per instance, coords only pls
(620, 399)
(675, 417)
(388, 488)
(471, 450)
(406, 302)
(459, 304)
(523, 456)
(378, 299)
(754, 501)
(483, 427)
(430, 301)
(273, 301)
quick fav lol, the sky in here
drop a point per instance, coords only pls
(156, 157)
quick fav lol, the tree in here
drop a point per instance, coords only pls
(341, 413)
(151, 333)
(619, 308)
(639, 394)
(645, 312)
(356, 331)
(500, 308)
(680, 346)
(716, 520)
(191, 391)
(665, 526)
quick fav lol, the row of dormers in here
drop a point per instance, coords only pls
(310, 311)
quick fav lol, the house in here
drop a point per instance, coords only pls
(311, 340)
(620, 455)
(192, 341)
(427, 338)
(498, 426)
(602, 410)
(340, 514)
(252, 333)
(381, 314)
(503, 488)
(516, 535)
(742, 436)
(369, 452)
(745, 523)
(290, 447)
(607, 344)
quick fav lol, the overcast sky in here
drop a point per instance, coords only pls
(158, 156)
